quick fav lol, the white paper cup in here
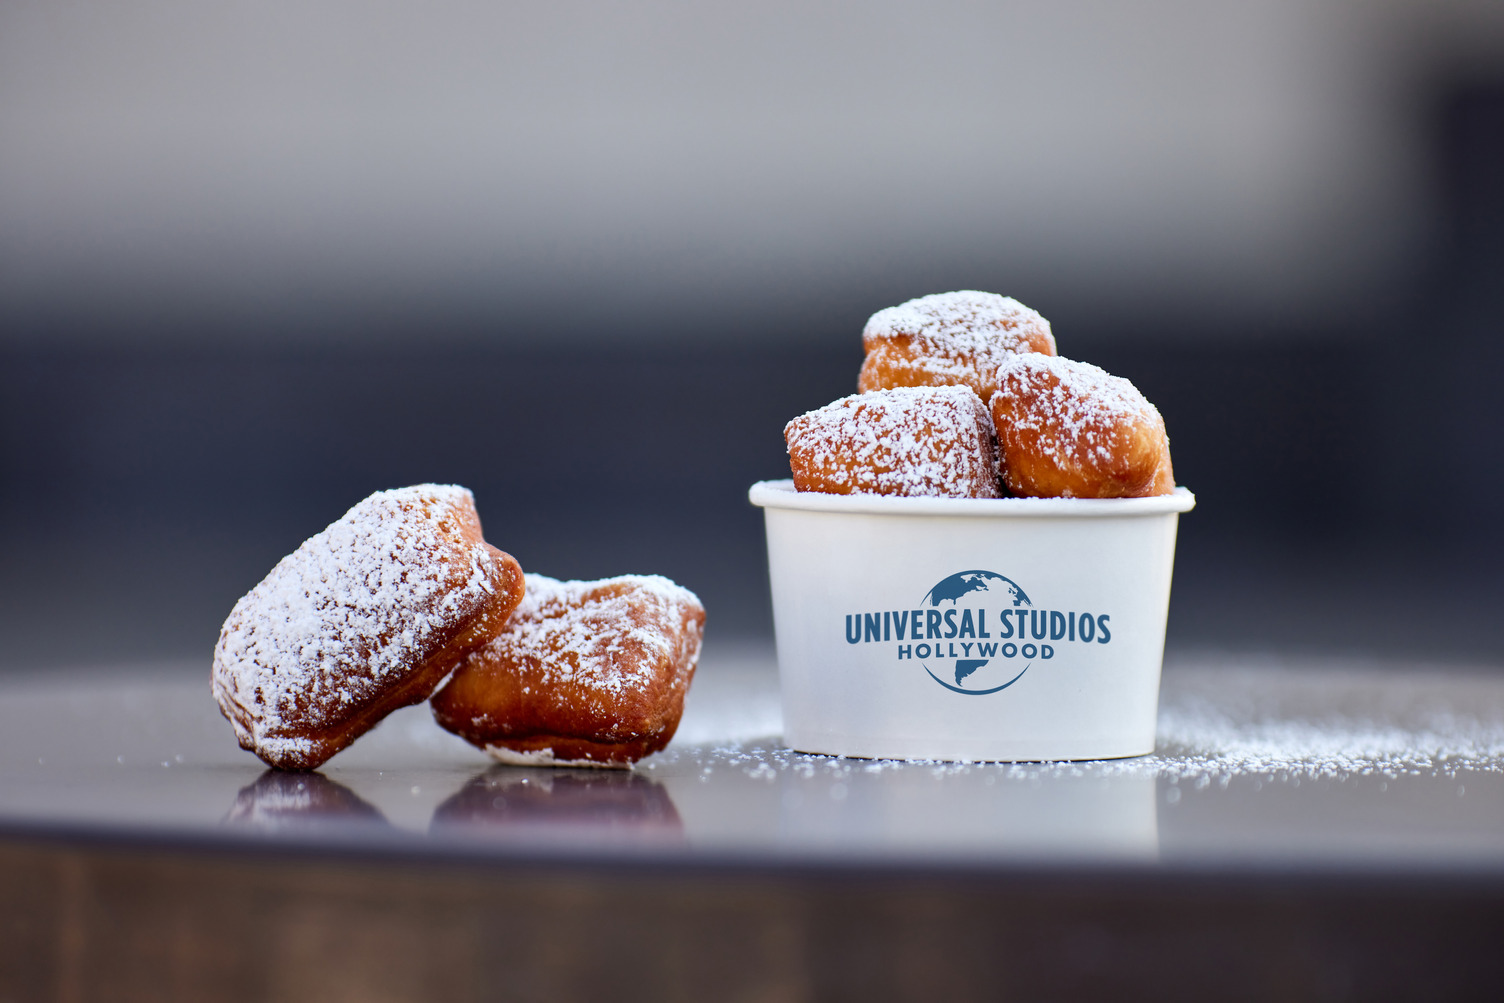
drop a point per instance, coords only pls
(1086, 583)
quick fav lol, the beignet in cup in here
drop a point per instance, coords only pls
(933, 442)
(949, 339)
(1068, 429)
(585, 674)
(365, 617)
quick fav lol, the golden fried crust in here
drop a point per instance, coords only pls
(933, 442)
(585, 673)
(1069, 430)
(949, 339)
(363, 618)
(1164, 477)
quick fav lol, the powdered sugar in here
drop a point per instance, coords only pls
(1076, 396)
(949, 339)
(967, 320)
(1076, 412)
(608, 636)
(1201, 740)
(545, 757)
(1333, 717)
(910, 441)
(343, 617)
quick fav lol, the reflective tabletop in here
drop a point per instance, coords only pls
(1326, 765)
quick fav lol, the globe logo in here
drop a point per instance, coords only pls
(998, 592)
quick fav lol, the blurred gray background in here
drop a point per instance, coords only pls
(260, 259)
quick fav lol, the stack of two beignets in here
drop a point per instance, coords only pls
(1052, 427)
(375, 611)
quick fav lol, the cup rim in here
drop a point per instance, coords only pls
(780, 494)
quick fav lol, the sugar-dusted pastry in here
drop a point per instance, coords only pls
(585, 674)
(1070, 430)
(949, 339)
(365, 617)
(916, 441)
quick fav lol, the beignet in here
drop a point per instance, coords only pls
(914, 441)
(1068, 429)
(365, 617)
(949, 339)
(585, 674)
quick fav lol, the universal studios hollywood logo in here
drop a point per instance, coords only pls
(979, 629)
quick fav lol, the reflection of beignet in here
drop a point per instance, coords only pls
(365, 617)
(1070, 430)
(916, 441)
(585, 674)
(949, 339)
(280, 801)
(625, 802)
